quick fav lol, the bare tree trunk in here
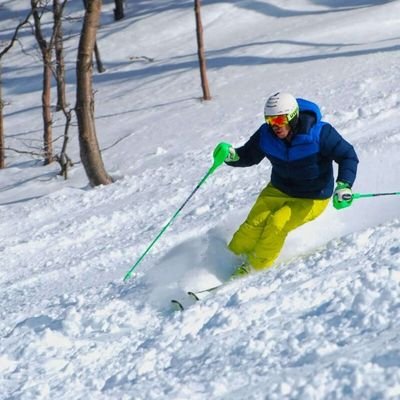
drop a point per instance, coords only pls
(2, 143)
(89, 147)
(63, 159)
(99, 63)
(58, 9)
(46, 110)
(119, 10)
(200, 51)
(46, 50)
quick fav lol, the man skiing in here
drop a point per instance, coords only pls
(301, 148)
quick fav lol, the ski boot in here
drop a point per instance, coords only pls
(243, 270)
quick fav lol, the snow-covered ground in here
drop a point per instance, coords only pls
(323, 324)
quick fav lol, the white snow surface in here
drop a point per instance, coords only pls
(323, 323)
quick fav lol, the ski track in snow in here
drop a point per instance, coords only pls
(322, 324)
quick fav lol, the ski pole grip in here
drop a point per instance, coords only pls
(220, 154)
(218, 161)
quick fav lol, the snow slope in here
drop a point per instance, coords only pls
(322, 324)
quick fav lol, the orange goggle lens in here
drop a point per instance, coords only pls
(279, 120)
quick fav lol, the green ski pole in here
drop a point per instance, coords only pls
(365, 195)
(219, 158)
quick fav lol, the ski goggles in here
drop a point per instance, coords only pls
(278, 120)
(282, 119)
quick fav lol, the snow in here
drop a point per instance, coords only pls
(324, 323)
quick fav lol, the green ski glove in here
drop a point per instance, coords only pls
(225, 152)
(343, 196)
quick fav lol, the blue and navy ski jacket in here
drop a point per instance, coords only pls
(303, 166)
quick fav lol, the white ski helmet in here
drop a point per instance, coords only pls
(282, 103)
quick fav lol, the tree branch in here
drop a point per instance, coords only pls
(14, 38)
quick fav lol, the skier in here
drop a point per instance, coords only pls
(301, 148)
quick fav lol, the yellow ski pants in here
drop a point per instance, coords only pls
(273, 216)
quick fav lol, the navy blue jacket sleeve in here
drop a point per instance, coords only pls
(250, 153)
(333, 146)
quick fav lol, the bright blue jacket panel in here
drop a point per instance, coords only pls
(303, 167)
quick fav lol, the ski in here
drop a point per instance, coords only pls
(208, 290)
(198, 295)
(180, 305)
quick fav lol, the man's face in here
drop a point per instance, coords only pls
(279, 124)
(281, 131)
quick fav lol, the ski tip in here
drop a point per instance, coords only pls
(176, 305)
(193, 295)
